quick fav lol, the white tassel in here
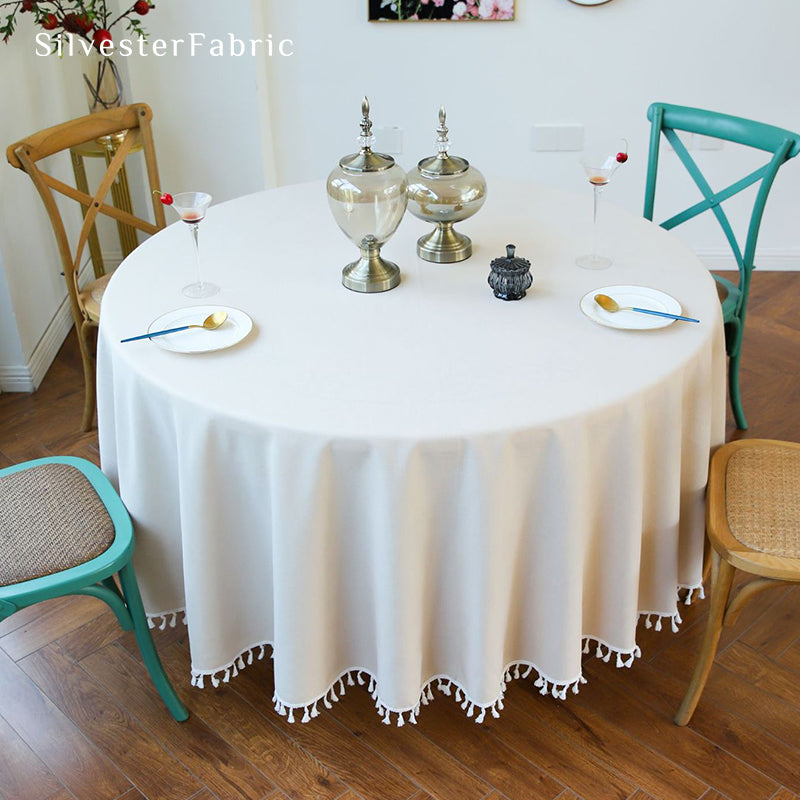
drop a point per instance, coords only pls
(446, 688)
(360, 679)
(350, 681)
(261, 653)
(372, 684)
(543, 690)
(214, 681)
(575, 687)
(637, 652)
(658, 623)
(306, 716)
(387, 720)
(586, 647)
(465, 703)
(599, 653)
(151, 624)
(480, 717)
(470, 710)
(647, 623)
(516, 672)
(495, 712)
(163, 624)
(688, 600)
(314, 711)
(430, 692)
(235, 671)
(173, 620)
(227, 677)
(290, 718)
(528, 672)
(675, 620)
(327, 702)
(249, 657)
(240, 663)
(702, 594)
(500, 704)
(400, 721)
(412, 717)
(538, 681)
(341, 687)
(619, 660)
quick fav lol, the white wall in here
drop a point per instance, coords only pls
(558, 62)
(36, 92)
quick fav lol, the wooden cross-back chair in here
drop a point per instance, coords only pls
(780, 145)
(120, 130)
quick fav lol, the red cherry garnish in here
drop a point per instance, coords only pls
(622, 157)
(141, 7)
(100, 37)
(49, 22)
(166, 199)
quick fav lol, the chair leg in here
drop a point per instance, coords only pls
(145, 641)
(720, 590)
(733, 389)
(89, 381)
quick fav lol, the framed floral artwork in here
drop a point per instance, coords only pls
(408, 10)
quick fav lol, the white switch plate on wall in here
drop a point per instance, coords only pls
(551, 137)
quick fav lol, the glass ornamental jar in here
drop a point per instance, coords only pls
(367, 196)
(444, 189)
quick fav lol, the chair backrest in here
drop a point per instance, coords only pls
(779, 143)
(119, 131)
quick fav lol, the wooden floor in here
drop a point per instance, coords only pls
(78, 718)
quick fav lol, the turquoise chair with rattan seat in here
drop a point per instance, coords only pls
(780, 144)
(64, 530)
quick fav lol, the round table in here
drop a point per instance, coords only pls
(428, 487)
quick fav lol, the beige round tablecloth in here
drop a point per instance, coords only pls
(424, 488)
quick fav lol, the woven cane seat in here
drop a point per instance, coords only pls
(762, 495)
(51, 519)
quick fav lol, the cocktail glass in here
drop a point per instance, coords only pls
(599, 167)
(191, 207)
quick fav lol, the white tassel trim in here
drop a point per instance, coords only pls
(170, 618)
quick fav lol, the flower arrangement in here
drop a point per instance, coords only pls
(441, 9)
(89, 19)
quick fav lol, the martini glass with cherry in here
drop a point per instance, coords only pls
(599, 168)
(191, 207)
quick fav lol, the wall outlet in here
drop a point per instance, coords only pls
(557, 137)
(388, 140)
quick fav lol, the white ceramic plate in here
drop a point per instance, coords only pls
(640, 296)
(198, 340)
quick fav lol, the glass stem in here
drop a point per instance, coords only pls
(594, 223)
(195, 234)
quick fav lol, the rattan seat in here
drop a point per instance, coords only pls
(50, 520)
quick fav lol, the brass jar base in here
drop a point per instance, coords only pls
(371, 273)
(444, 245)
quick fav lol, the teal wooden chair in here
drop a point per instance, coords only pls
(64, 530)
(781, 145)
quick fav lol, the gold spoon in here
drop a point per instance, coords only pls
(610, 304)
(210, 323)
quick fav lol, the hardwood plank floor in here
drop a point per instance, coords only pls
(79, 718)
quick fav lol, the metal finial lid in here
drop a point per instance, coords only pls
(366, 160)
(442, 163)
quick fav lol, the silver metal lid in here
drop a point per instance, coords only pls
(442, 164)
(365, 160)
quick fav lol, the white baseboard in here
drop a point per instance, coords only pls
(28, 377)
(766, 260)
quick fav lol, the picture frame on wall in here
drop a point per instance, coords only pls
(439, 10)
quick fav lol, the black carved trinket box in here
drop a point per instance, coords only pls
(511, 275)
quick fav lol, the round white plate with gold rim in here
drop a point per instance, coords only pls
(639, 296)
(198, 340)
